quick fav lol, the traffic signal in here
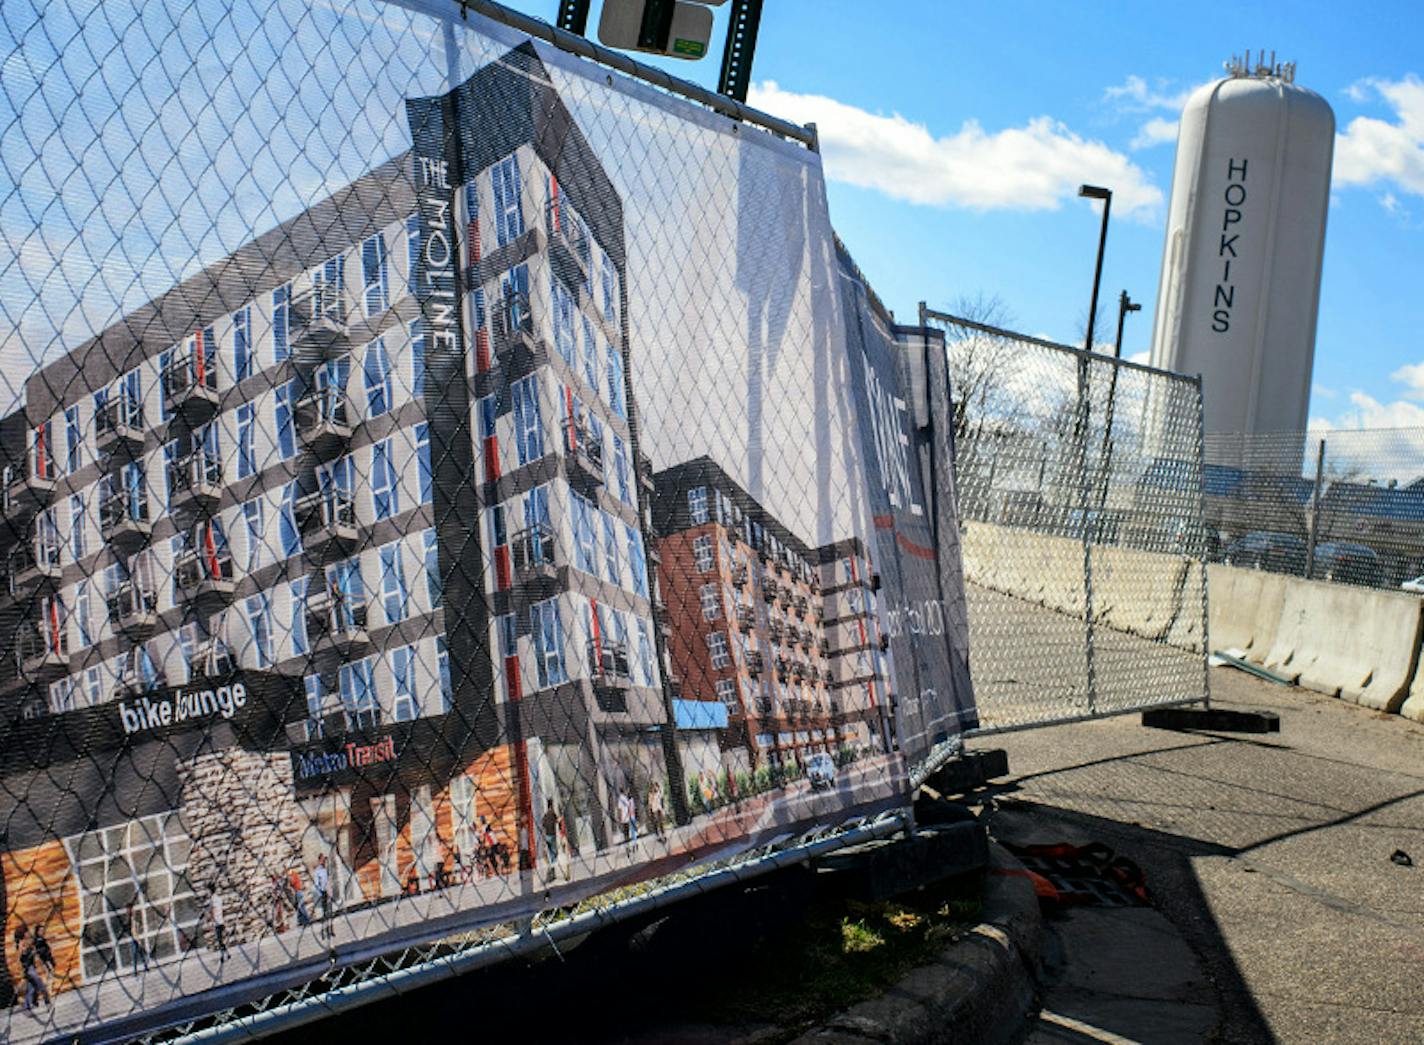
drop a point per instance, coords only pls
(675, 28)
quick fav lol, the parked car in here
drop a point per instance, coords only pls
(1414, 586)
(821, 771)
(1267, 550)
(1348, 563)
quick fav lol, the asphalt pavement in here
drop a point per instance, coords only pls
(1279, 913)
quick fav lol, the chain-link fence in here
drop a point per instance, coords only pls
(1337, 505)
(439, 487)
(1080, 493)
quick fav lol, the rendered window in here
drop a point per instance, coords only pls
(711, 596)
(394, 599)
(548, 643)
(374, 275)
(702, 553)
(246, 450)
(385, 492)
(717, 647)
(697, 505)
(376, 369)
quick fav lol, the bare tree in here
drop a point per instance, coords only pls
(979, 367)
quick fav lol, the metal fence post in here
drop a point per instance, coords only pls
(1314, 532)
(1205, 547)
(1084, 499)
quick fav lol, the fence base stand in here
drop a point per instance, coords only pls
(889, 867)
(1215, 720)
(969, 772)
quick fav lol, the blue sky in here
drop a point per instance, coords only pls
(1047, 95)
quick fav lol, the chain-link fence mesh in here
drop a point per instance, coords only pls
(1080, 493)
(437, 489)
(1337, 505)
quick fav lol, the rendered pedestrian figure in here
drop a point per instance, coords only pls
(299, 896)
(550, 825)
(128, 922)
(43, 953)
(322, 883)
(279, 904)
(35, 987)
(657, 809)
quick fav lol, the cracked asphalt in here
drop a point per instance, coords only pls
(1278, 912)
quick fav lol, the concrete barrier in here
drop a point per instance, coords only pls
(1245, 609)
(1413, 706)
(1355, 643)
(1139, 592)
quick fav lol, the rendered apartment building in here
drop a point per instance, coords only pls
(784, 635)
(250, 629)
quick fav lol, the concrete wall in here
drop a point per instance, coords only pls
(1359, 644)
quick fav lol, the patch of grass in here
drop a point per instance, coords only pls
(843, 952)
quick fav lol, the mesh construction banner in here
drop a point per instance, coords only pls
(438, 486)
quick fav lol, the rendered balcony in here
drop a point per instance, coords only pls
(31, 565)
(318, 319)
(30, 481)
(123, 520)
(327, 521)
(512, 323)
(739, 574)
(204, 578)
(42, 655)
(610, 673)
(570, 254)
(195, 483)
(191, 389)
(746, 618)
(338, 622)
(533, 554)
(754, 662)
(133, 609)
(583, 457)
(775, 629)
(770, 590)
(118, 427)
(325, 421)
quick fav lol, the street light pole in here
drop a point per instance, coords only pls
(1081, 440)
(1125, 305)
(1097, 192)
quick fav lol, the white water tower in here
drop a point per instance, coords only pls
(1240, 287)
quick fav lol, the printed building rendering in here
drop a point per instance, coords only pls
(785, 636)
(338, 575)
(256, 629)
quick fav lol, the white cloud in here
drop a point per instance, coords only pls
(1323, 392)
(1411, 376)
(1385, 153)
(1140, 357)
(1135, 95)
(1157, 131)
(1038, 166)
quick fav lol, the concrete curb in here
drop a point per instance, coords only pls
(980, 990)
